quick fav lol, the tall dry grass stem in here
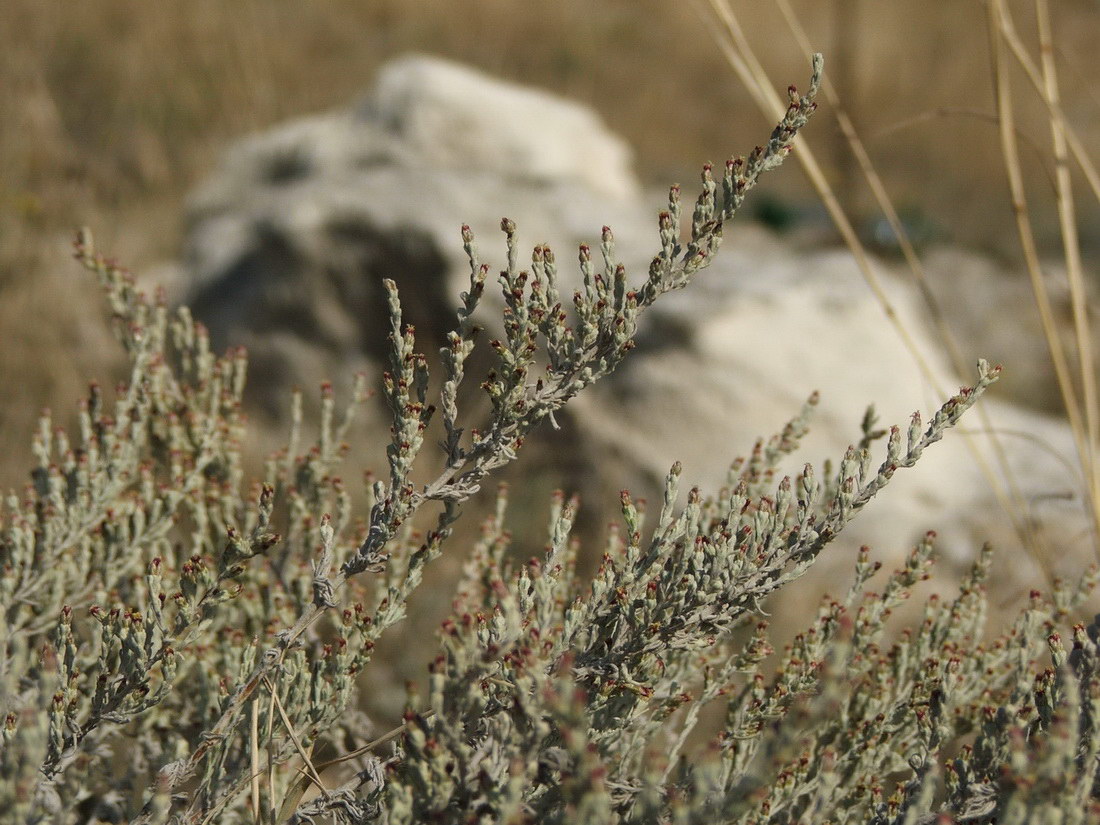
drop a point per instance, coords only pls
(1080, 404)
(741, 57)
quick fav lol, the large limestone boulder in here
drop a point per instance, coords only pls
(737, 354)
(452, 117)
(291, 238)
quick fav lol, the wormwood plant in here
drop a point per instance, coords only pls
(168, 656)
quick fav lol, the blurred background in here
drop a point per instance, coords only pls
(112, 111)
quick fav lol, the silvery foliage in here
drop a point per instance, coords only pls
(169, 656)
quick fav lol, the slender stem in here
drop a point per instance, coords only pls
(1029, 248)
(744, 62)
(1012, 500)
(1067, 220)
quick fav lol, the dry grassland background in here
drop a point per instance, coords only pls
(112, 110)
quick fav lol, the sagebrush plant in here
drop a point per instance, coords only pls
(168, 656)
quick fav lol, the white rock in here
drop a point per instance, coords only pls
(301, 224)
(289, 243)
(452, 116)
(735, 355)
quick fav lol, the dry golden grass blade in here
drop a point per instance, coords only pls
(254, 753)
(1067, 220)
(270, 772)
(742, 59)
(293, 797)
(1007, 28)
(374, 743)
(312, 773)
(1028, 246)
(752, 74)
(298, 789)
(1028, 536)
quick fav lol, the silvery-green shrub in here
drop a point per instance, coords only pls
(181, 645)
